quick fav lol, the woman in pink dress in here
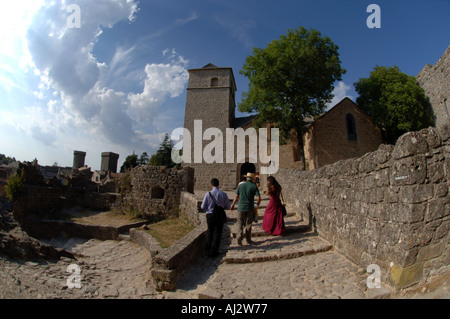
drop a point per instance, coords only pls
(273, 222)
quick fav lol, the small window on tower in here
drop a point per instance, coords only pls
(214, 82)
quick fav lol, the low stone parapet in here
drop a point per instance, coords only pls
(169, 264)
(44, 228)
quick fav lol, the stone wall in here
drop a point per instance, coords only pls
(154, 191)
(42, 201)
(169, 264)
(190, 207)
(390, 207)
(435, 79)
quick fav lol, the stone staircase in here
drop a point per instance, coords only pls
(298, 240)
(299, 264)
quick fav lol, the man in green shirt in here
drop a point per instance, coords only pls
(246, 193)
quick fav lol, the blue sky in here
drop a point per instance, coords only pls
(118, 83)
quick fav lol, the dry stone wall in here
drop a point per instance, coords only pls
(390, 207)
(169, 264)
(190, 207)
(154, 191)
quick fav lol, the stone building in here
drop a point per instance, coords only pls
(78, 159)
(211, 98)
(343, 132)
(435, 80)
(109, 162)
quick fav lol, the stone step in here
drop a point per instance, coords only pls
(290, 229)
(232, 215)
(274, 248)
(292, 225)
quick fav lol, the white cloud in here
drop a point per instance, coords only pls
(237, 27)
(79, 86)
(47, 137)
(162, 81)
(65, 99)
(15, 17)
(174, 25)
(340, 92)
(63, 56)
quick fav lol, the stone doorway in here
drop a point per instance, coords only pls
(243, 169)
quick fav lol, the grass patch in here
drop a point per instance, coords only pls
(169, 231)
(84, 215)
(131, 217)
(107, 218)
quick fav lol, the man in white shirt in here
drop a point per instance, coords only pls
(215, 225)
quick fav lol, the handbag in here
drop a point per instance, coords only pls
(255, 218)
(218, 212)
(283, 206)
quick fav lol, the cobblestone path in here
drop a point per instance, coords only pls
(298, 265)
(108, 269)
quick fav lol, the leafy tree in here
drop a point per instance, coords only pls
(292, 78)
(130, 162)
(15, 187)
(163, 157)
(143, 159)
(394, 101)
(6, 159)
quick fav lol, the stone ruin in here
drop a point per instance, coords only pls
(153, 191)
(156, 192)
(390, 207)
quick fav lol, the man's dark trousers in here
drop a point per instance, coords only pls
(215, 228)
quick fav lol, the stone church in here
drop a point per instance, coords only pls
(345, 131)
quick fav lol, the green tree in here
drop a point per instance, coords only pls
(292, 78)
(163, 157)
(15, 187)
(130, 162)
(143, 159)
(6, 159)
(394, 101)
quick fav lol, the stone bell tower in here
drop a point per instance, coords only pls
(210, 98)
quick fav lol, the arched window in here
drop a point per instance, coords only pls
(351, 127)
(214, 82)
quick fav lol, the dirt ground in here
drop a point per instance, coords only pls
(106, 218)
